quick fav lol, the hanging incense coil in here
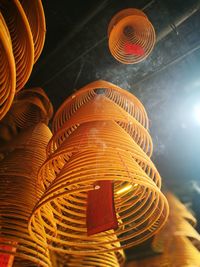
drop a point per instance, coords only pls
(98, 147)
(121, 97)
(131, 36)
(30, 107)
(19, 193)
(177, 225)
(22, 40)
(7, 69)
(35, 15)
(180, 209)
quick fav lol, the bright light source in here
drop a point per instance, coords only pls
(126, 188)
(197, 113)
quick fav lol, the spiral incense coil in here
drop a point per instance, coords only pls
(99, 135)
(177, 225)
(29, 108)
(93, 111)
(118, 103)
(94, 143)
(22, 40)
(7, 69)
(131, 36)
(18, 194)
(35, 15)
(110, 259)
(119, 96)
(101, 260)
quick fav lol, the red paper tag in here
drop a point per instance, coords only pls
(6, 260)
(101, 215)
(133, 49)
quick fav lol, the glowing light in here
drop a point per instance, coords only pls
(197, 113)
(126, 188)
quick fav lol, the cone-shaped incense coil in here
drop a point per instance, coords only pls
(101, 145)
(177, 225)
(19, 193)
(180, 209)
(117, 95)
(131, 36)
(29, 108)
(22, 40)
(35, 14)
(7, 69)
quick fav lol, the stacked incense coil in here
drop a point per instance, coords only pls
(131, 36)
(19, 193)
(176, 240)
(22, 38)
(30, 107)
(100, 133)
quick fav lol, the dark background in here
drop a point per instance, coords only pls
(167, 82)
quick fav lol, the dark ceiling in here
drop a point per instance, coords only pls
(167, 82)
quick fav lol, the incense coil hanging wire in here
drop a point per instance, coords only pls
(86, 156)
(131, 36)
(19, 193)
(35, 14)
(30, 107)
(7, 69)
(22, 40)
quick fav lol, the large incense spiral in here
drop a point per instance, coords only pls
(36, 18)
(100, 134)
(131, 36)
(19, 192)
(22, 40)
(7, 69)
